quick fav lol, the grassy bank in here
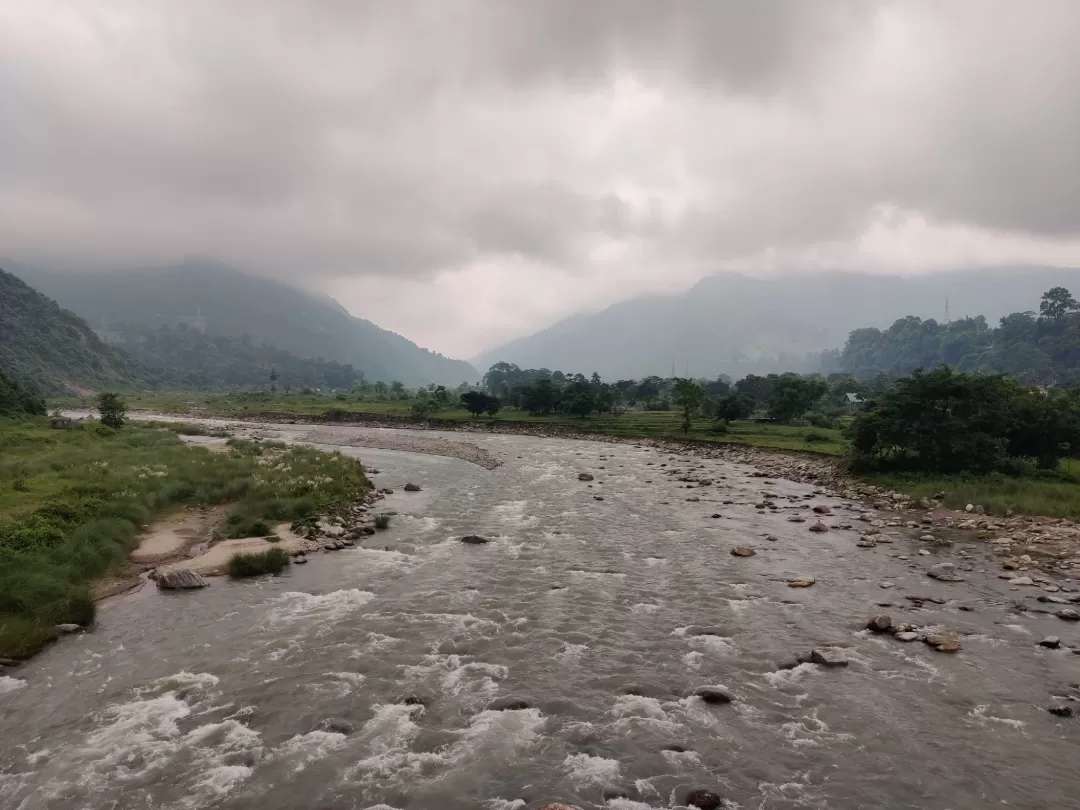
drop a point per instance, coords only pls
(73, 501)
(1054, 497)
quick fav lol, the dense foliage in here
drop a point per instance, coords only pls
(17, 399)
(1042, 349)
(52, 349)
(184, 357)
(943, 421)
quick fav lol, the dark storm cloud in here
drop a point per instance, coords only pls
(551, 139)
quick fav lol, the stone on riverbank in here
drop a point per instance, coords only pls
(946, 572)
(180, 579)
(584, 477)
(412, 487)
(67, 628)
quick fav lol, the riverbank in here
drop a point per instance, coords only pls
(74, 502)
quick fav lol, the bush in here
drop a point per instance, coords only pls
(382, 521)
(253, 564)
(813, 437)
(819, 420)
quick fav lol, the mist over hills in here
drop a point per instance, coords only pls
(737, 324)
(221, 300)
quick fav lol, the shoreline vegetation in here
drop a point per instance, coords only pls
(1045, 493)
(74, 501)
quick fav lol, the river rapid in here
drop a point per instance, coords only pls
(362, 679)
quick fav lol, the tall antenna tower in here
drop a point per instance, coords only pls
(947, 311)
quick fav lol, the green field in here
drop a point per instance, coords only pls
(73, 501)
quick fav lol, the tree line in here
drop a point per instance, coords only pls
(1035, 348)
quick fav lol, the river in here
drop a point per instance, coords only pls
(306, 690)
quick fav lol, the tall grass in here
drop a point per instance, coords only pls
(73, 501)
(253, 564)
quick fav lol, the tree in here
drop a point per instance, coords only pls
(492, 406)
(791, 395)
(578, 397)
(733, 406)
(397, 389)
(421, 409)
(380, 388)
(273, 379)
(475, 402)
(541, 398)
(688, 396)
(112, 410)
(1057, 302)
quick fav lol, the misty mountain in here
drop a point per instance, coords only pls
(735, 324)
(44, 345)
(220, 300)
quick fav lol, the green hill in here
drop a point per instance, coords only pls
(219, 300)
(53, 350)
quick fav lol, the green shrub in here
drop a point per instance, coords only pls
(271, 561)
(813, 437)
(382, 521)
(819, 420)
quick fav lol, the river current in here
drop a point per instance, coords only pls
(362, 679)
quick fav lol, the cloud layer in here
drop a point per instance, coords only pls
(469, 170)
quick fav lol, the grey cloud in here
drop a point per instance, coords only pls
(410, 138)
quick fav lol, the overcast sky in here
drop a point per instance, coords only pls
(468, 171)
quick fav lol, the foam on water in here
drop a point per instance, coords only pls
(979, 714)
(301, 749)
(811, 731)
(572, 653)
(321, 609)
(10, 684)
(645, 607)
(586, 769)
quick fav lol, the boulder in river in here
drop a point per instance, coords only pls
(412, 487)
(67, 628)
(742, 551)
(508, 704)
(584, 477)
(180, 579)
(558, 806)
(822, 510)
(474, 540)
(907, 635)
(299, 559)
(801, 582)
(1069, 615)
(829, 657)
(819, 527)
(943, 642)
(1051, 643)
(714, 694)
(1061, 710)
(946, 572)
(882, 623)
(703, 800)
(772, 538)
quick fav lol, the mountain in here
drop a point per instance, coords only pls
(736, 324)
(183, 357)
(54, 350)
(220, 300)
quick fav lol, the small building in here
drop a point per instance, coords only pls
(60, 422)
(853, 401)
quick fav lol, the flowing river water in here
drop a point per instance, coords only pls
(304, 690)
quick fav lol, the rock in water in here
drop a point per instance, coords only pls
(714, 694)
(508, 705)
(703, 800)
(1061, 710)
(474, 540)
(180, 579)
(819, 527)
(772, 538)
(822, 510)
(801, 582)
(946, 572)
(742, 551)
(881, 623)
(1051, 643)
(412, 487)
(943, 642)
(829, 657)
(584, 477)
(907, 635)
(557, 806)
(1069, 615)
(299, 559)
(68, 628)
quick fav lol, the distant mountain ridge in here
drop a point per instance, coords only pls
(221, 300)
(737, 324)
(54, 350)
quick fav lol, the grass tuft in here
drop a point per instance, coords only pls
(256, 563)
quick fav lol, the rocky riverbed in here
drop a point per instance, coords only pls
(573, 628)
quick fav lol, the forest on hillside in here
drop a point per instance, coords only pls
(1035, 348)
